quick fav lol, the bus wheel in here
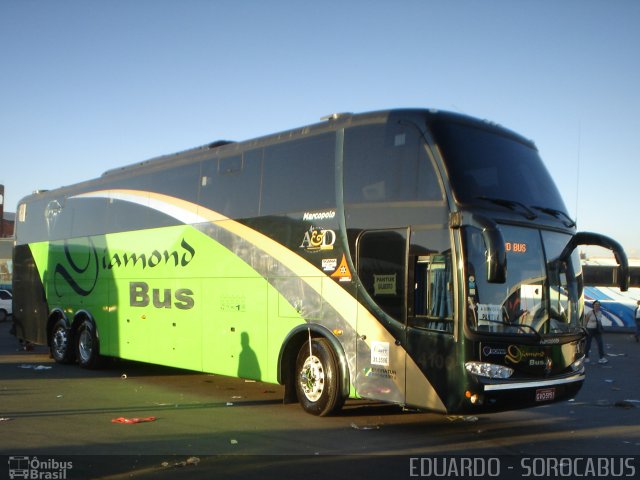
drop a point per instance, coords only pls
(60, 344)
(317, 379)
(87, 347)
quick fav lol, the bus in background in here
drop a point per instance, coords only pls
(413, 256)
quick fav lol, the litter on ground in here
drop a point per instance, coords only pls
(133, 420)
(365, 427)
(36, 367)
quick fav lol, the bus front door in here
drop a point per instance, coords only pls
(382, 260)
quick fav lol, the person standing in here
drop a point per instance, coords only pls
(636, 314)
(594, 330)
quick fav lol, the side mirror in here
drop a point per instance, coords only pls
(496, 251)
(589, 238)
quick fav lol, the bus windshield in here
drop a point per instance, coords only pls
(481, 162)
(540, 297)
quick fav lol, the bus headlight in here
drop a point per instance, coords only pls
(489, 370)
(578, 364)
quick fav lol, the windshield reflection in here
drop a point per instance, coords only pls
(538, 298)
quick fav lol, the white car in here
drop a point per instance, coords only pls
(6, 304)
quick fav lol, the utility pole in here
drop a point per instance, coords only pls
(1, 211)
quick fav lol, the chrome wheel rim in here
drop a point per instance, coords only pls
(312, 378)
(85, 345)
(60, 342)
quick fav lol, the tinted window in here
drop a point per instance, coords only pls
(387, 163)
(89, 216)
(538, 297)
(299, 175)
(231, 186)
(32, 225)
(58, 219)
(123, 216)
(431, 270)
(381, 268)
(179, 182)
(484, 163)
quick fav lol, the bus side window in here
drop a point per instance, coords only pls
(387, 163)
(231, 185)
(89, 216)
(299, 175)
(433, 306)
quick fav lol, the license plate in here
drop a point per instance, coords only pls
(545, 394)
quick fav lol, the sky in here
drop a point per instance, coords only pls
(88, 85)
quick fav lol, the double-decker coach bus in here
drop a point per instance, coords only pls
(416, 257)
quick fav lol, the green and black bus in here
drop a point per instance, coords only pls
(416, 257)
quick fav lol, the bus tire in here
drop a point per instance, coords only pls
(61, 343)
(317, 379)
(87, 346)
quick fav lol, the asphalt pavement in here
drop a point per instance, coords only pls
(208, 426)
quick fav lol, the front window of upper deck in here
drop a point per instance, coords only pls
(542, 294)
(489, 167)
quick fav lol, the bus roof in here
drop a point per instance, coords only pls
(329, 122)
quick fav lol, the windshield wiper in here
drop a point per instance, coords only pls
(511, 204)
(520, 326)
(569, 222)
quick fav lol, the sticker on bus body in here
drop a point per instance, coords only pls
(487, 311)
(380, 353)
(329, 264)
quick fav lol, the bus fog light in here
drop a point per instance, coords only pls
(473, 397)
(489, 370)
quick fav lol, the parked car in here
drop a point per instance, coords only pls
(6, 304)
